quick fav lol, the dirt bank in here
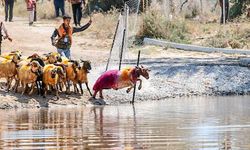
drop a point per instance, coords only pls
(174, 73)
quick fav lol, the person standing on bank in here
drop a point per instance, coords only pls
(9, 4)
(5, 36)
(62, 37)
(59, 6)
(77, 11)
(31, 9)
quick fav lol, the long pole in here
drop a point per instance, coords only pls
(112, 46)
(121, 54)
(138, 61)
(224, 12)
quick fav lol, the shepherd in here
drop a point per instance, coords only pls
(62, 37)
(115, 79)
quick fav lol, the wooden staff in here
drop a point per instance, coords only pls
(138, 61)
(121, 54)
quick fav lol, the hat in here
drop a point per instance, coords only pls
(66, 17)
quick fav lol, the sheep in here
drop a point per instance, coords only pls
(115, 79)
(8, 69)
(51, 76)
(81, 76)
(27, 74)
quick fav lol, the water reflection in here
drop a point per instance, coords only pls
(194, 123)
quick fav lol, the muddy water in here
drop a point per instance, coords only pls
(193, 123)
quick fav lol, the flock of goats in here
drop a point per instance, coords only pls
(48, 71)
(54, 72)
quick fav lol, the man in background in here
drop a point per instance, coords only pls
(5, 36)
(59, 6)
(9, 4)
(77, 11)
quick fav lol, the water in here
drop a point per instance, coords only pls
(191, 123)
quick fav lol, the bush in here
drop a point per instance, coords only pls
(156, 25)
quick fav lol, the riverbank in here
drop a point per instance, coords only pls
(175, 73)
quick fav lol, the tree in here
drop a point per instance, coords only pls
(238, 8)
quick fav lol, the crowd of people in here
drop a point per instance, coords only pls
(61, 37)
(59, 6)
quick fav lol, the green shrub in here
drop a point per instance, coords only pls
(156, 25)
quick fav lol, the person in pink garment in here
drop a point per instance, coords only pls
(31, 9)
(115, 79)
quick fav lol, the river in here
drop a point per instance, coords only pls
(181, 123)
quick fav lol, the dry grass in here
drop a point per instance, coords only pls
(156, 25)
(104, 24)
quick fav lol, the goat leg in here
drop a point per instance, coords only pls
(67, 87)
(9, 84)
(32, 88)
(16, 86)
(101, 95)
(57, 95)
(24, 85)
(74, 88)
(45, 91)
(95, 92)
(60, 87)
(129, 89)
(80, 85)
(87, 85)
(38, 87)
(140, 86)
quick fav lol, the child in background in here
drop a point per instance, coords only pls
(31, 9)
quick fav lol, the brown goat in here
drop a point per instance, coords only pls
(51, 77)
(81, 76)
(8, 69)
(27, 74)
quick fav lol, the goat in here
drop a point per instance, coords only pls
(9, 55)
(52, 58)
(115, 79)
(8, 69)
(28, 74)
(71, 72)
(51, 76)
(81, 76)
